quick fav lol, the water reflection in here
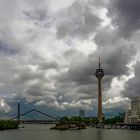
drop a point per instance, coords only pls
(99, 134)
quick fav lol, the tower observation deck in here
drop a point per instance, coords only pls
(99, 74)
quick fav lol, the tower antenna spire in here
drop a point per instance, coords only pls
(99, 63)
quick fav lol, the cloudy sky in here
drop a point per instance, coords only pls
(49, 53)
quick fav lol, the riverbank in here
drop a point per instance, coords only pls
(7, 125)
(119, 126)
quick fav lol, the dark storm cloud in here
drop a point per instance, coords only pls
(115, 52)
(80, 67)
(79, 20)
(132, 87)
(87, 91)
(125, 15)
(41, 73)
(80, 78)
(114, 61)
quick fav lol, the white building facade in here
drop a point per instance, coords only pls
(133, 115)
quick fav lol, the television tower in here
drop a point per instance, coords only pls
(99, 74)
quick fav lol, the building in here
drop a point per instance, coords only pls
(135, 105)
(133, 115)
(81, 113)
(99, 74)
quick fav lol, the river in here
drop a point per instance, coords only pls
(42, 132)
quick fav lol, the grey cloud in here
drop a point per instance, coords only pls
(115, 51)
(114, 61)
(87, 91)
(36, 89)
(69, 82)
(27, 74)
(6, 49)
(78, 21)
(98, 3)
(126, 15)
(106, 37)
(40, 94)
(132, 88)
(81, 67)
(36, 14)
(80, 79)
(48, 65)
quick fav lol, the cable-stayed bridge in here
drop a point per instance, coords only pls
(52, 119)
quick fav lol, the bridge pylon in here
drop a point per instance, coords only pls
(18, 113)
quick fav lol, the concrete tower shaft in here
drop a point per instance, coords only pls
(99, 74)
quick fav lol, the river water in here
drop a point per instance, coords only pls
(42, 132)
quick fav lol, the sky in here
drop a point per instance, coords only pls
(49, 53)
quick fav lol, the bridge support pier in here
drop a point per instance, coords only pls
(18, 113)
